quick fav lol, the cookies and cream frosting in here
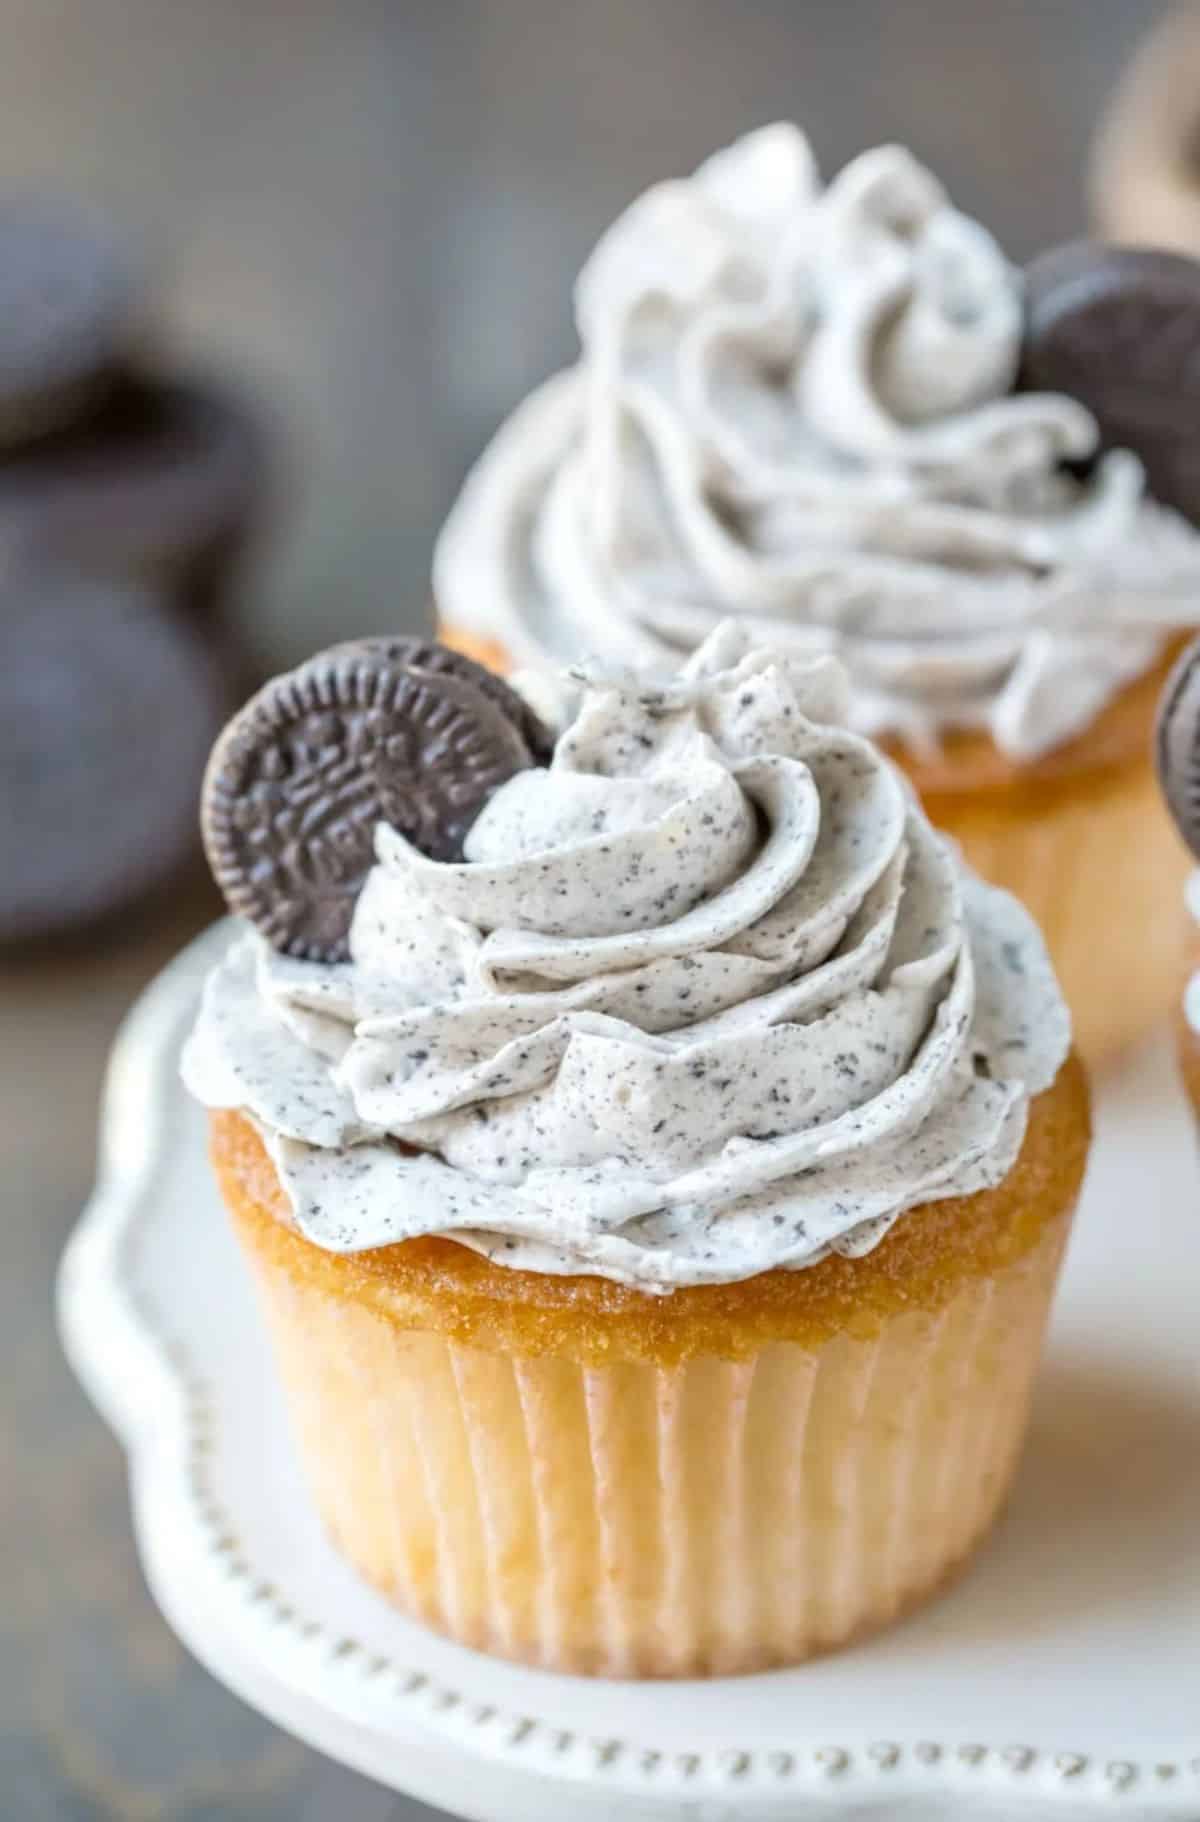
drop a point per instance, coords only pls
(706, 996)
(795, 404)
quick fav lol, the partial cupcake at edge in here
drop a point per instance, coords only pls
(653, 1147)
(1177, 749)
(840, 414)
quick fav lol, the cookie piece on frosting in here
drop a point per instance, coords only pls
(432, 655)
(1118, 329)
(1177, 745)
(380, 730)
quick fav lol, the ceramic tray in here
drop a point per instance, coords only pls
(1061, 1677)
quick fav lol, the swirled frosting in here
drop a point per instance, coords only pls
(795, 404)
(707, 996)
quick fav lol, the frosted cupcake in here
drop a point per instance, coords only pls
(799, 405)
(657, 1186)
(1178, 753)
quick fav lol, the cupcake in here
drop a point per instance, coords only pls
(1177, 748)
(653, 1148)
(843, 416)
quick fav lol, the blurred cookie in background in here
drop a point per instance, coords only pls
(109, 702)
(71, 300)
(1145, 167)
(168, 482)
(130, 498)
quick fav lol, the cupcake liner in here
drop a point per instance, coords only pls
(1102, 871)
(631, 1519)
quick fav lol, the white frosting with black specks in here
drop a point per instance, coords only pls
(794, 404)
(706, 997)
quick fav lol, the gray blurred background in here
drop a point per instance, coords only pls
(372, 210)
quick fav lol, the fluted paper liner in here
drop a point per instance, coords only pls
(630, 1519)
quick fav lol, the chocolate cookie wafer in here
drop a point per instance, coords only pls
(380, 730)
(1177, 745)
(1118, 328)
(430, 655)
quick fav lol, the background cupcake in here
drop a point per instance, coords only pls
(658, 1160)
(1178, 752)
(802, 405)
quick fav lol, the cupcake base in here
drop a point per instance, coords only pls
(578, 1476)
(712, 1518)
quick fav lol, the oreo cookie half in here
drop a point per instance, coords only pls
(358, 735)
(68, 306)
(429, 655)
(1118, 328)
(1177, 745)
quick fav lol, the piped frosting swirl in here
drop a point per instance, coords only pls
(707, 996)
(795, 404)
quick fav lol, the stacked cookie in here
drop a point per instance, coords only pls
(126, 501)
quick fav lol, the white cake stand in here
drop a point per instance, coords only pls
(1062, 1677)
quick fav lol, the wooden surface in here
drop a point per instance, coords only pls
(374, 210)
